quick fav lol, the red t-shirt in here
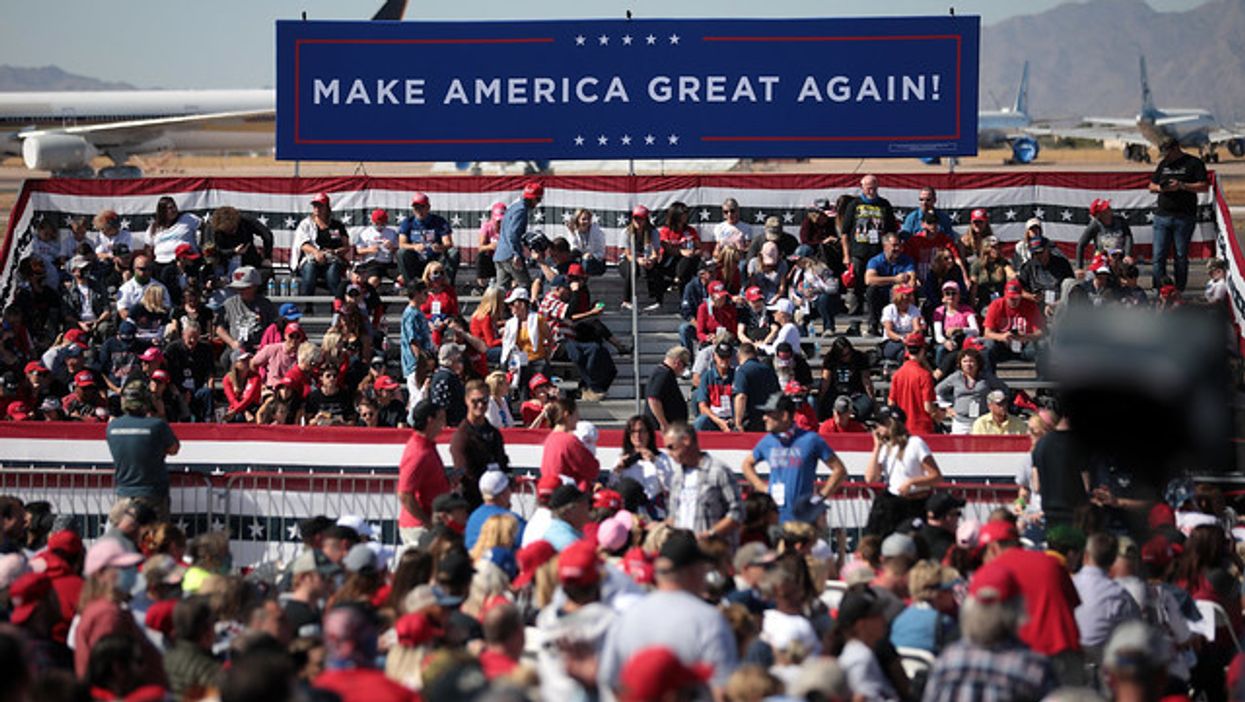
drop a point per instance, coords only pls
(686, 239)
(829, 428)
(922, 247)
(565, 454)
(364, 685)
(530, 410)
(1025, 318)
(911, 387)
(443, 302)
(420, 472)
(707, 323)
(806, 417)
(1050, 598)
(485, 329)
(496, 664)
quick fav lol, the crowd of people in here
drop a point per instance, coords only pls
(669, 575)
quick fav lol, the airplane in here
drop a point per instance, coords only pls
(1192, 127)
(62, 132)
(1010, 125)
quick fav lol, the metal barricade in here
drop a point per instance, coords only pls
(87, 494)
(263, 509)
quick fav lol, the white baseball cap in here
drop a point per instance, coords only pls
(493, 483)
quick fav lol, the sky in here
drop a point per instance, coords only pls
(229, 43)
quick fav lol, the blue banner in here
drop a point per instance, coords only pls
(618, 89)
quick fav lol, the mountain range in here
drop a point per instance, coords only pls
(1082, 57)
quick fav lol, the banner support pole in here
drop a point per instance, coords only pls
(635, 298)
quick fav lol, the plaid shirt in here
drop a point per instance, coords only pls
(1006, 672)
(717, 494)
(556, 312)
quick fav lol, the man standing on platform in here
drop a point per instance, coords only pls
(139, 444)
(421, 474)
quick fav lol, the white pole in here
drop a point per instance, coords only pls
(635, 298)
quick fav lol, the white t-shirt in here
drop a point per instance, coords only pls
(86, 314)
(104, 244)
(69, 245)
(653, 476)
(896, 469)
(537, 526)
(131, 292)
(686, 518)
(184, 231)
(789, 333)
(733, 233)
(371, 236)
(904, 322)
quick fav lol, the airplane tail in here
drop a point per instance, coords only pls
(1021, 106)
(392, 10)
(1147, 99)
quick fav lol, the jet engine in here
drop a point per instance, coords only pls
(1024, 150)
(1236, 147)
(57, 152)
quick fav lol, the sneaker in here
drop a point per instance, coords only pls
(653, 307)
(853, 329)
(591, 396)
(827, 332)
(625, 305)
(623, 348)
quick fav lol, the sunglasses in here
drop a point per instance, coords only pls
(728, 210)
(951, 293)
(478, 401)
(928, 199)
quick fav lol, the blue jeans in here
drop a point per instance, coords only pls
(1172, 232)
(201, 405)
(593, 266)
(596, 367)
(331, 271)
(999, 351)
(687, 337)
(893, 350)
(703, 423)
(827, 305)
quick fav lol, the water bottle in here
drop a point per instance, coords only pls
(272, 287)
(289, 286)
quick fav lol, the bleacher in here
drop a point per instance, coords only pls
(658, 331)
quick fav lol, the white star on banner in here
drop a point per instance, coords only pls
(1039, 213)
(649, 139)
(955, 216)
(39, 219)
(256, 529)
(346, 218)
(579, 40)
(566, 216)
(673, 139)
(760, 217)
(539, 216)
(1066, 215)
(150, 221)
(626, 40)
(899, 215)
(1149, 216)
(704, 215)
(603, 140)
(103, 528)
(68, 220)
(182, 526)
(674, 39)
(650, 40)
(294, 532)
(603, 40)
(456, 221)
(626, 140)
(218, 525)
(375, 527)
(289, 222)
(788, 218)
(262, 219)
(579, 140)
(1010, 214)
(621, 220)
(1122, 214)
(125, 224)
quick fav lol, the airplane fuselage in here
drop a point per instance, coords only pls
(1189, 127)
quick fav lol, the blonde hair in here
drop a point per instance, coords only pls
(491, 304)
(546, 583)
(153, 299)
(488, 582)
(497, 530)
(431, 269)
(927, 577)
(308, 354)
(572, 224)
(752, 683)
(497, 385)
(101, 219)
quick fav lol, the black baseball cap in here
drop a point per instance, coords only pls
(449, 502)
(940, 503)
(723, 350)
(564, 495)
(859, 603)
(681, 551)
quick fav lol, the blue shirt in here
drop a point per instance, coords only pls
(903, 264)
(513, 227)
(792, 466)
(428, 231)
(912, 223)
(414, 329)
(922, 626)
(758, 381)
(480, 516)
(560, 535)
(694, 293)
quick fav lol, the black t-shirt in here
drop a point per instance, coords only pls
(393, 413)
(756, 324)
(304, 619)
(664, 386)
(337, 405)
(190, 369)
(938, 540)
(1186, 168)
(333, 236)
(846, 377)
(1060, 459)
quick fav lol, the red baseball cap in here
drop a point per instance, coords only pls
(416, 629)
(419, 199)
(607, 499)
(753, 294)
(379, 216)
(499, 210)
(578, 564)
(998, 530)
(717, 288)
(575, 271)
(65, 542)
(385, 382)
(793, 387)
(1161, 514)
(980, 214)
(160, 375)
(160, 616)
(639, 212)
(904, 290)
(638, 565)
(322, 199)
(1098, 206)
(84, 379)
(77, 336)
(533, 191)
(975, 342)
(1013, 289)
(294, 328)
(530, 558)
(152, 355)
(914, 339)
(36, 367)
(26, 593)
(536, 381)
(993, 583)
(654, 672)
(186, 251)
(547, 484)
(1158, 551)
(18, 411)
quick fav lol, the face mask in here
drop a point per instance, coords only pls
(126, 579)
